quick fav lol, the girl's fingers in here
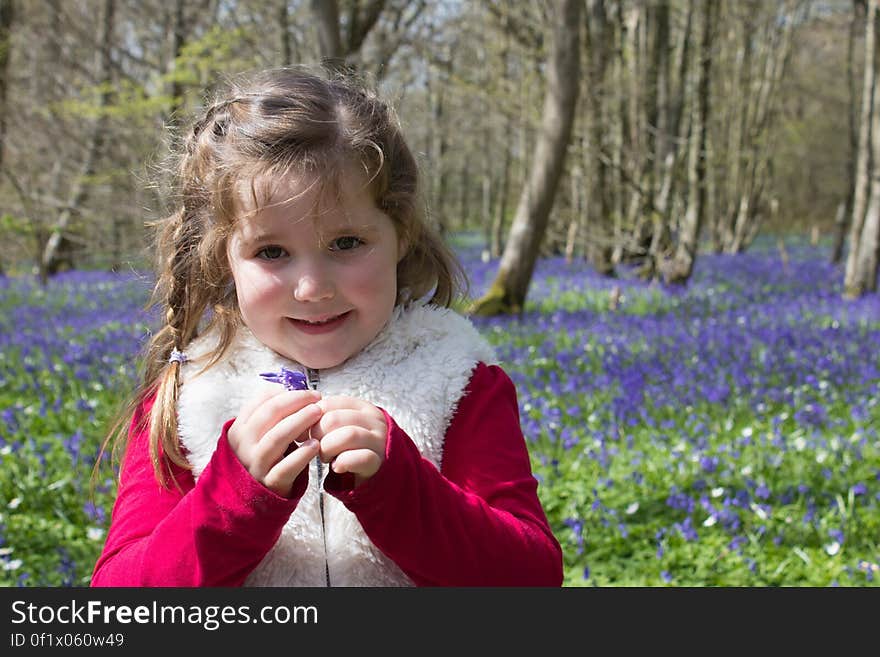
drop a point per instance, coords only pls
(251, 405)
(276, 407)
(363, 462)
(341, 402)
(347, 438)
(335, 419)
(293, 428)
(281, 477)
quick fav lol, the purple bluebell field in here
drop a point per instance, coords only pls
(720, 434)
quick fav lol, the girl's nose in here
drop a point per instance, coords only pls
(313, 285)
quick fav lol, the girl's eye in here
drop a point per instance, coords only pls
(271, 253)
(345, 243)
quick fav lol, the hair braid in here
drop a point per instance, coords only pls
(179, 238)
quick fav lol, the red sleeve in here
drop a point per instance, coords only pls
(475, 522)
(212, 532)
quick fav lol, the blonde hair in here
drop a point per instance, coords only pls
(273, 122)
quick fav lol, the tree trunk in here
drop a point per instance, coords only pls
(598, 38)
(499, 218)
(840, 224)
(739, 126)
(284, 29)
(660, 246)
(175, 90)
(681, 267)
(464, 197)
(439, 145)
(80, 190)
(862, 277)
(761, 130)
(863, 177)
(634, 46)
(659, 69)
(486, 184)
(577, 208)
(7, 15)
(865, 279)
(842, 219)
(338, 46)
(509, 289)
(326, 14)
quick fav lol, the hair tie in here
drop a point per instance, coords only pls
(177, 357)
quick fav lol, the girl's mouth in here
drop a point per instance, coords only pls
(316, 327)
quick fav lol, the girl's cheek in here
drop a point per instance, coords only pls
(253, 290)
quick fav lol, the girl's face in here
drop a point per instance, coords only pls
(315, 275)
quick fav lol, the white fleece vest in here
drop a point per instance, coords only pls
(416, 369)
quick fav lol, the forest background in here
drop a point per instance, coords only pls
(668, 124)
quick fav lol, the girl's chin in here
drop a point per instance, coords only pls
(317, 361)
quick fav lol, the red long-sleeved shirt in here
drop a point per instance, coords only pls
(475, 522)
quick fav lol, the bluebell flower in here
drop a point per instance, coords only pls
(736, 543)
(290, 379)
(836, 534)
(709, 463)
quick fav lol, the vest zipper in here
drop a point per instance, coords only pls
(312, 380)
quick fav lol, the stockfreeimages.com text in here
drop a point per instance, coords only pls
(211, 617)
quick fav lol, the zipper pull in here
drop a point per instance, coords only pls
(312, 378)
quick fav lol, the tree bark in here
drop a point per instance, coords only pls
(679, 270)
(598, 38)
(80, 189)
(660, 247)
(499, 218)
(869, 243)
(326, 14)
(852, 276)
(175, 88)
(438, 144)
(338, 46)
(7, 15)
(284, 29)
(508, 291)
(842, 219)
(739, 126)
(577, 204)
(862, 278)
(758, 146)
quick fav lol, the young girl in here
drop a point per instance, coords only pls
(298, 251)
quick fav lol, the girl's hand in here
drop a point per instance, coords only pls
(352, 435)
(266, 430)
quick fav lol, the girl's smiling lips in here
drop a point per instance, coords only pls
(319, 325)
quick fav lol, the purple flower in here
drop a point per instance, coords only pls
(290, 379)
(709, 463)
